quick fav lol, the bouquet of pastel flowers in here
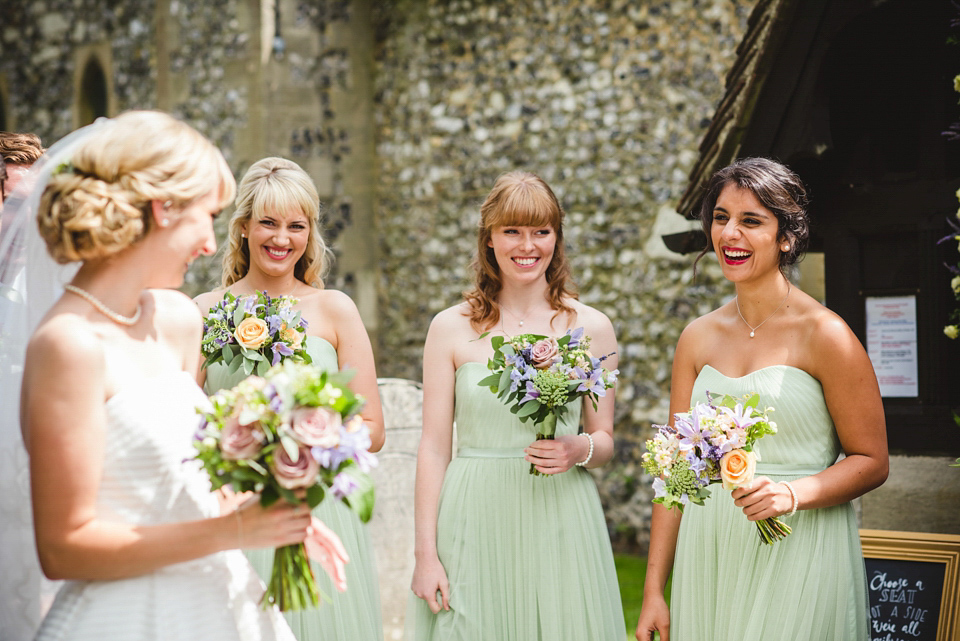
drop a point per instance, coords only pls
(294, 432)
(536, 376)
(254, 332)
(712, 443)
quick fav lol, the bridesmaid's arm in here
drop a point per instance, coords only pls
(433, 457)
(853, 398)
(665, 523)
(63, 416)
(355, 352)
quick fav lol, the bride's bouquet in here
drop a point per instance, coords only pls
(712, 443)
(295, 431)
(536, 376)
(254, 332)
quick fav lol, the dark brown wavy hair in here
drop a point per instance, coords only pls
(777, 188)
(518, 198)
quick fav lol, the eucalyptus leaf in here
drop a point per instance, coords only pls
(529, 408)
(227, 353)
(248, 366)
(238, 315)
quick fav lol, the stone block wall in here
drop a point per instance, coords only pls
(405, 112)
(607, 100)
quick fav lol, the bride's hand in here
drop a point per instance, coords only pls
(271, 527)
(554, 456)
(763, 499)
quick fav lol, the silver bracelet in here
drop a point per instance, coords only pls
(584, 462)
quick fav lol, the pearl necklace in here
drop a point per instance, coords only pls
(103, 309)
(754, 329)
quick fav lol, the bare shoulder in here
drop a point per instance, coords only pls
(175, 310)
(829, 337)
(331, 302)
(63, 345)
(595, 323)
(699, 339)
(455, 319)
(205, 301)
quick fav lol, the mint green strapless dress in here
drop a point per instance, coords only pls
(353, 615)
(527, 557)
(812, 585)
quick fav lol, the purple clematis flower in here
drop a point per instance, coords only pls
(280, 349)
(531, 393)
(576, 335)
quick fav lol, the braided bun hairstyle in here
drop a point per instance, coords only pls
(98, 204)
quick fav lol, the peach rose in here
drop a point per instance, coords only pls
(544, 352)
(292, 336)
(252, 332)
(240, 441)
(737, 468)
(316, 426)
(291, 474)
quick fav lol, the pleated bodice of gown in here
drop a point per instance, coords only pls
(149, 479)
(353, 615)
(811, 586)
(527, 557)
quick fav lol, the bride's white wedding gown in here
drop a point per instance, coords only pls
(149, 479)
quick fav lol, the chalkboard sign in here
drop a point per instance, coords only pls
(914, 585)
(904, 599)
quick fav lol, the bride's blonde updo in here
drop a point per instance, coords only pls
(99, 203)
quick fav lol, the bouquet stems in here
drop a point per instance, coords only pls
(292, 584)
(772, 530)
(546, 430)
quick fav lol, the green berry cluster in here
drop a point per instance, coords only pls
(552, 386)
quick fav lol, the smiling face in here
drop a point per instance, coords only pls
(523, 252)
(745, 235)
(277, 241)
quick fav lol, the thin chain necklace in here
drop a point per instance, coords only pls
(754, 329)
(103, 309)
(519, 320)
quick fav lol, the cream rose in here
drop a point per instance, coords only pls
(543, 353)
(291, 474)
(240, 441)
(318, 426)
(252, 332)
(737, 468)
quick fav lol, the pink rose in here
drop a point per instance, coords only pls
(294, 474)
(544, 353)
(240, 441)
(316, 426)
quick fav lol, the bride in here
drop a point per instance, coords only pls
(109, 400)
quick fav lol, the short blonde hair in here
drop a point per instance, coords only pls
(99, 203)
(275, 185)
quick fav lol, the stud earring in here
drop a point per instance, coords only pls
(167, 204)
(786, 248)
(164, 222)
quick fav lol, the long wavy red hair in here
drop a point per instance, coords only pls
(518, 198)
